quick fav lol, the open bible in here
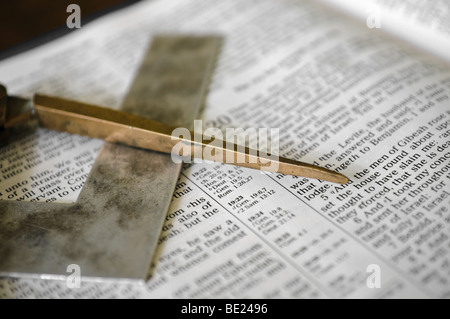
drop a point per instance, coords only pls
(360, 87)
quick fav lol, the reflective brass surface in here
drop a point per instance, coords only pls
(124, 128)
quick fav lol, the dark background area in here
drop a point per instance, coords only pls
(27, 23)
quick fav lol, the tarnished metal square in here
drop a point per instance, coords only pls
(112, 230)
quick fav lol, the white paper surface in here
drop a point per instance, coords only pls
(342, 97)
(423, 23)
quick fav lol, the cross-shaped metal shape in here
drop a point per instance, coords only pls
(113, 228)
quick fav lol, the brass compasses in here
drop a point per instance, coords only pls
(113, 228)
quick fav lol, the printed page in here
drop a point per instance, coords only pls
(342, 97)
(423, 23)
